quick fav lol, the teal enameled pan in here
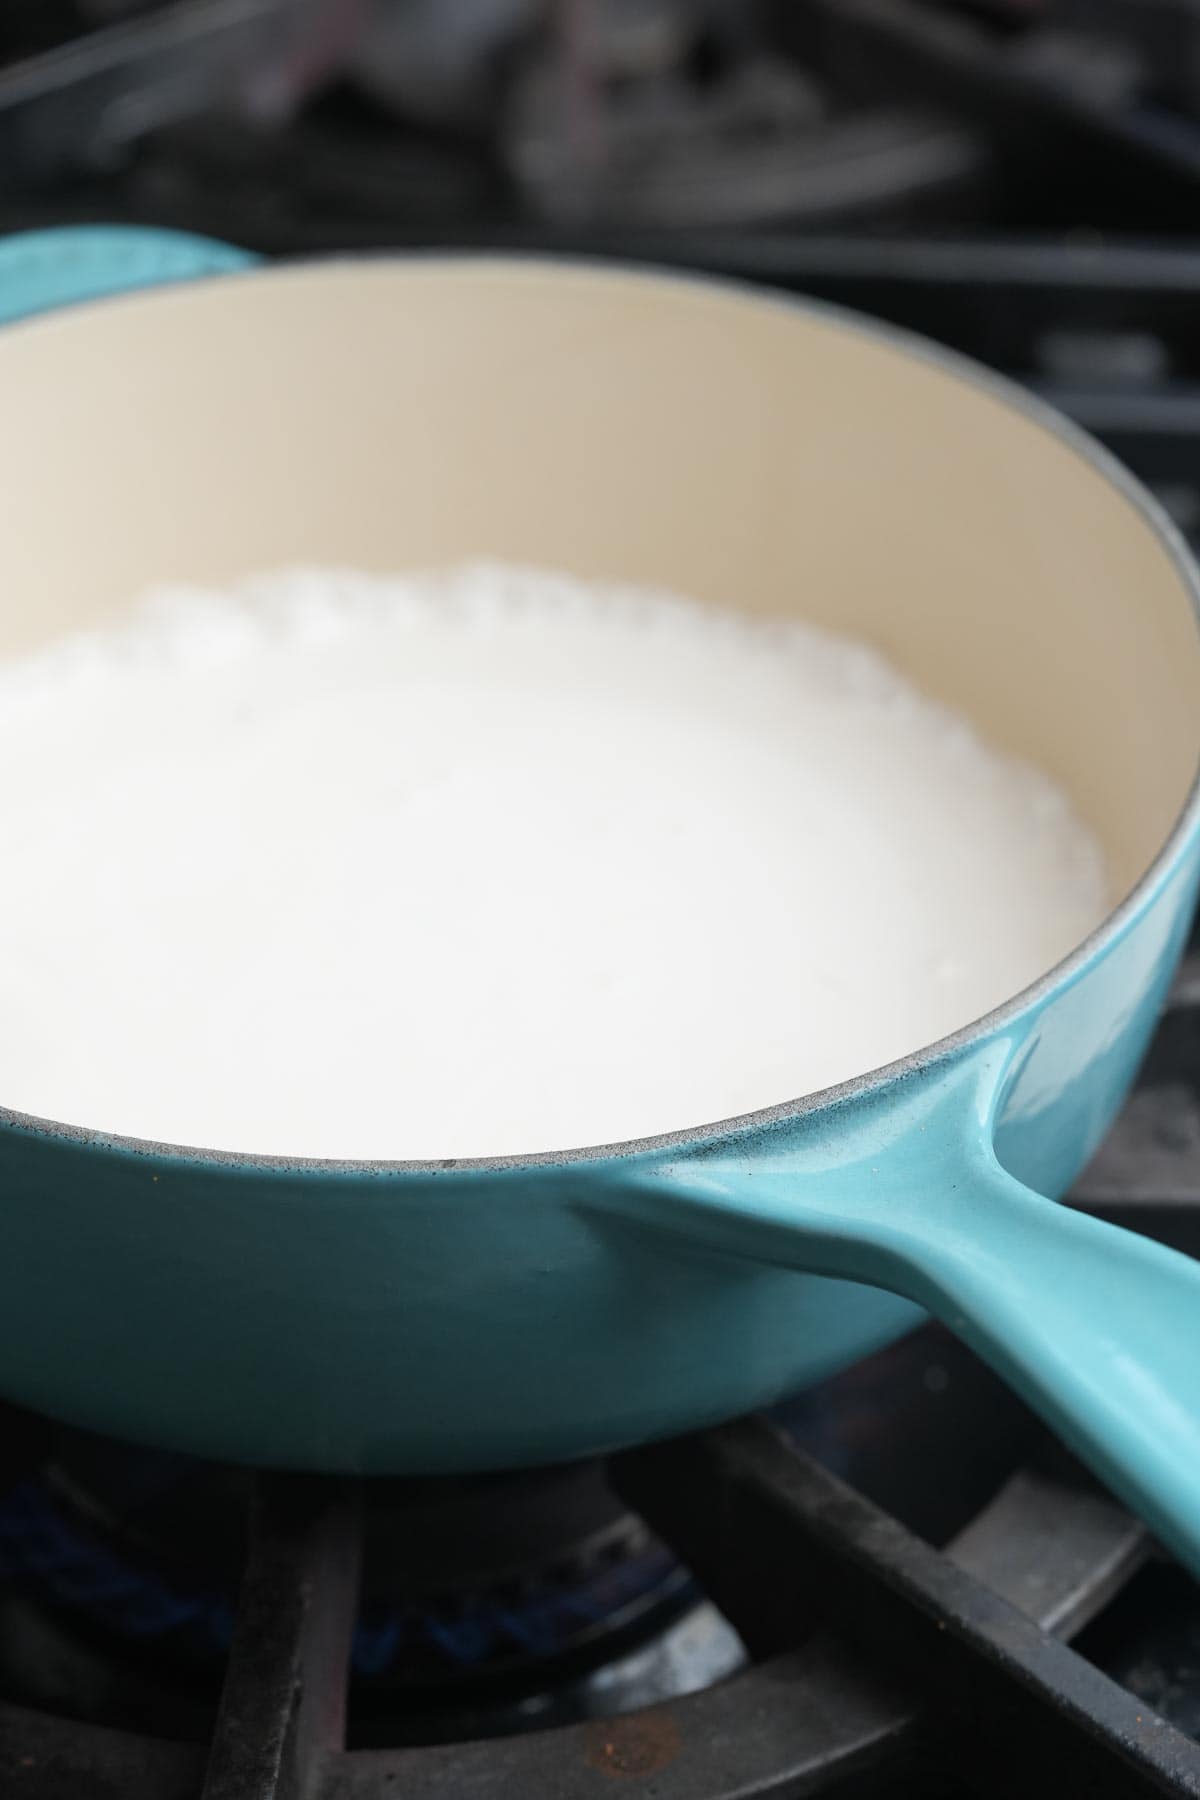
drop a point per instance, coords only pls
(739, 447)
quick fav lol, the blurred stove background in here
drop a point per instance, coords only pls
(293, 124)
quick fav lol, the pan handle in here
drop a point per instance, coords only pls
(41, 270)
(1096, 1327)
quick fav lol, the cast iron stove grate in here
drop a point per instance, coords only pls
(925, 1663)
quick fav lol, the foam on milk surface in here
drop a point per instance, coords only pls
(493, 861)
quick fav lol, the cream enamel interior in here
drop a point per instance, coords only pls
(393, 414)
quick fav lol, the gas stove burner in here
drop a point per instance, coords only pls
(465, 1579)
(495, 1602)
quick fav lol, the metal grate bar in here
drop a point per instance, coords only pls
(282, 1709)
(785, 1538)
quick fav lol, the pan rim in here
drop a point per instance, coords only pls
(907, 343)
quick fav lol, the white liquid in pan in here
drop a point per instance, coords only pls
(493, 862)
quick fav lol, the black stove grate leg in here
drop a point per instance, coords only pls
(283, 1706)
